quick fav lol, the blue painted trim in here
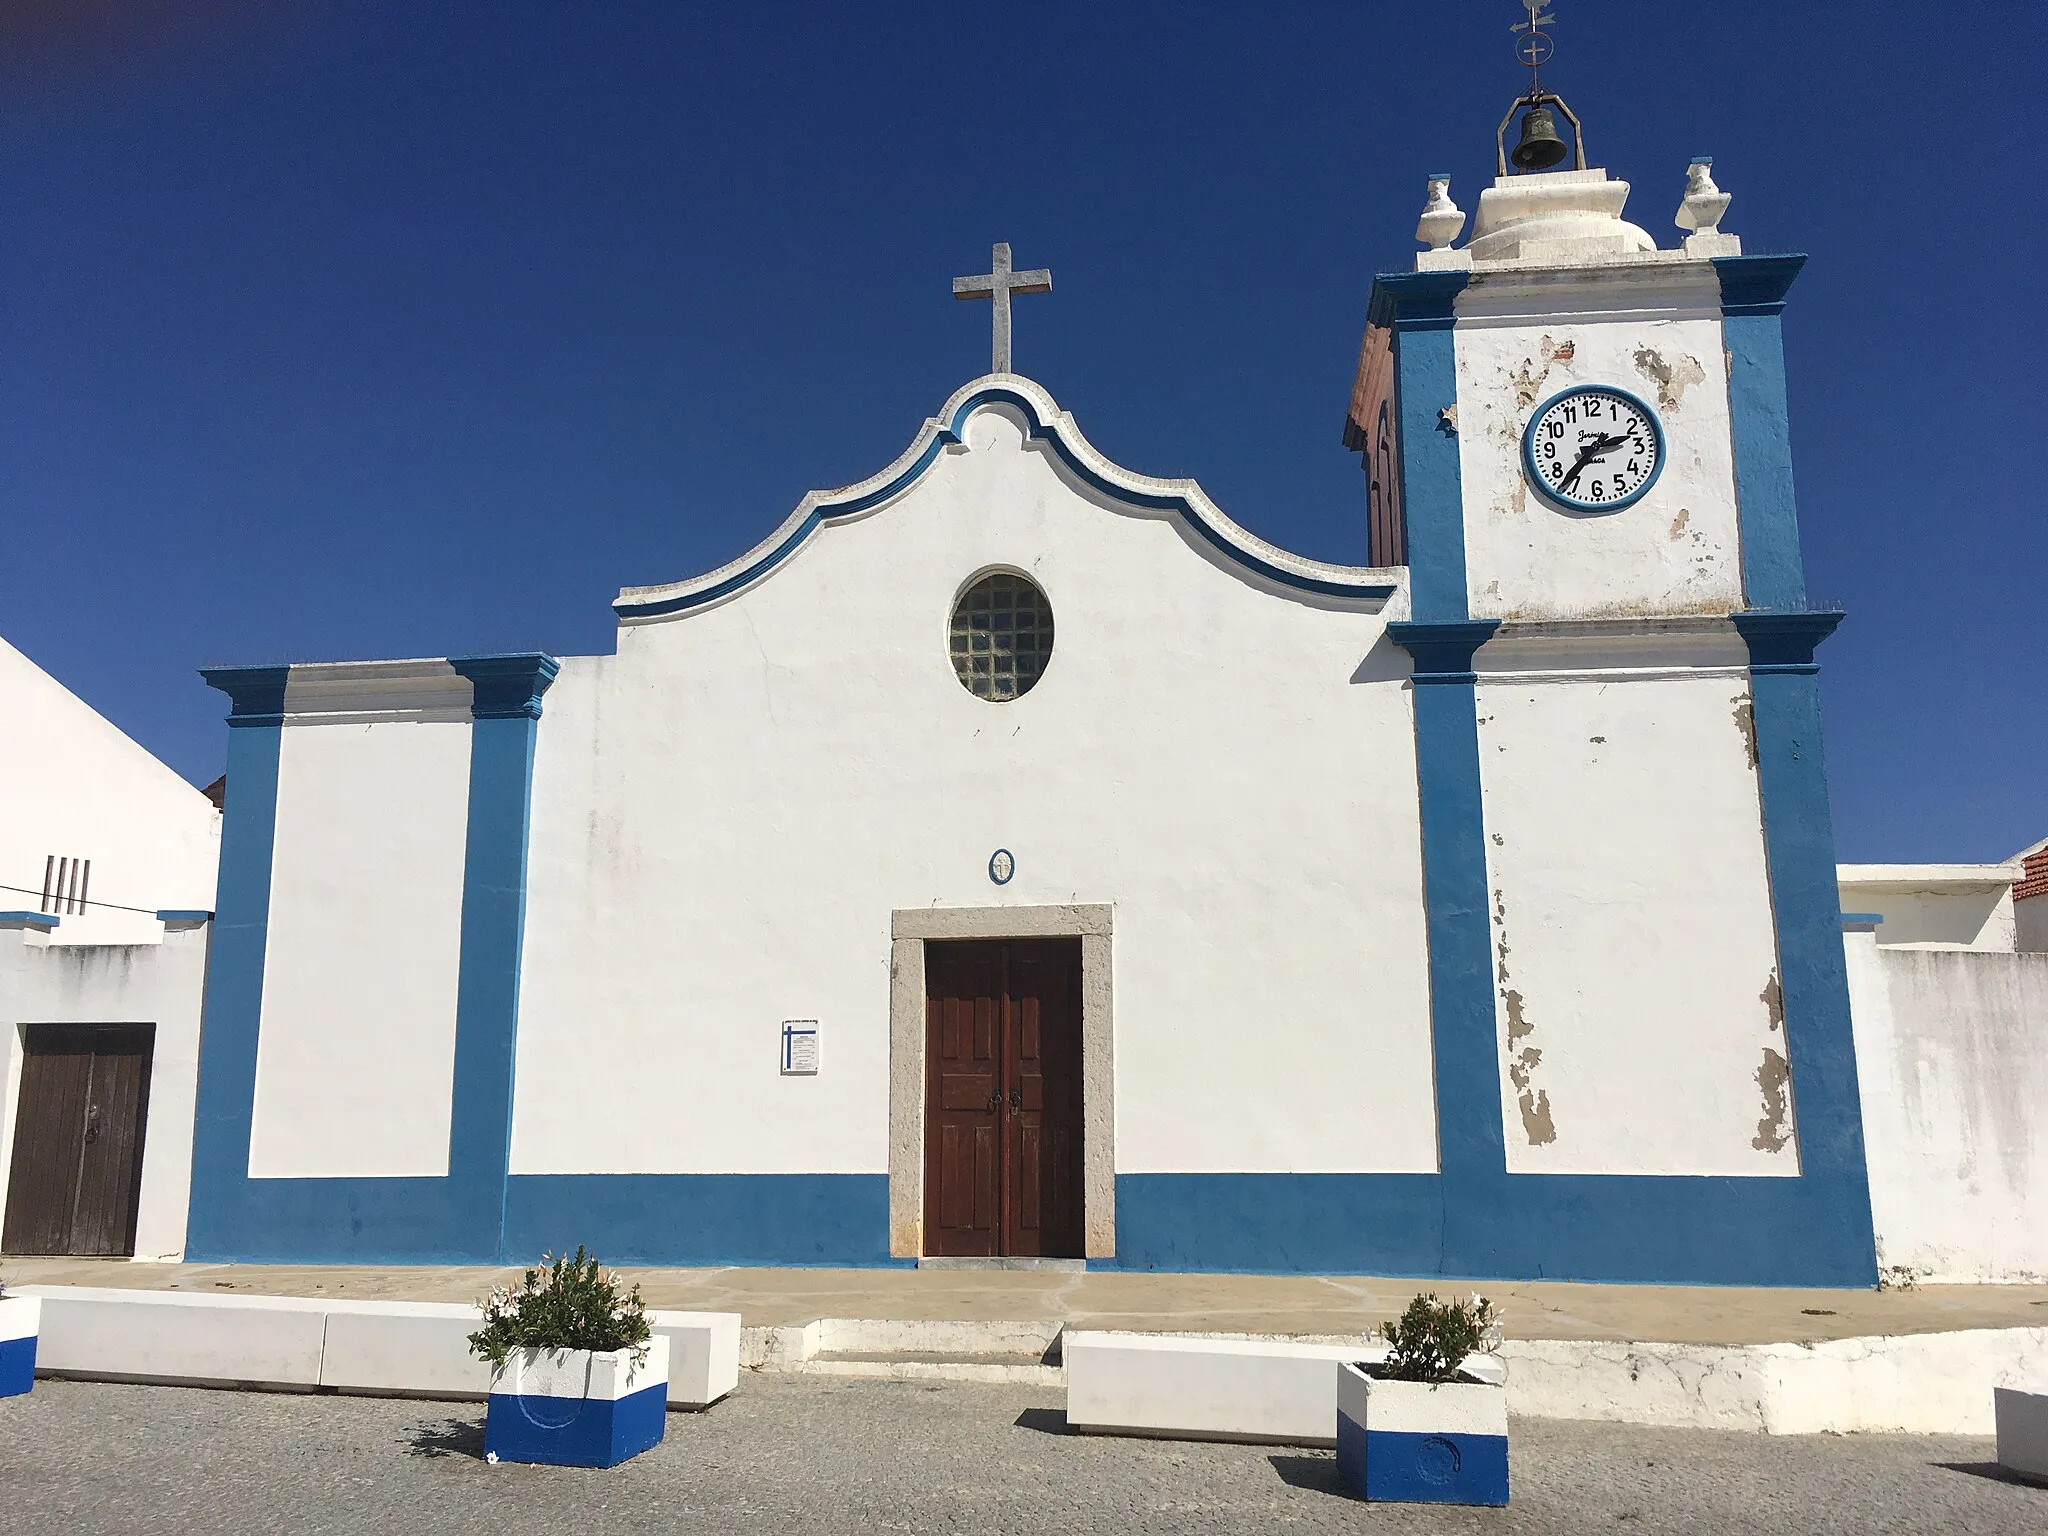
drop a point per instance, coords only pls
(1419, 308)
(507, 686)
(43, 920)
(1471, 1143)
(1572, 504)
(1862, 919)
(1599, 1228)
(1799, 845)
(17, 1366)
(574, 1431)
(949, 435)
(836, 1219)
(255, 694)
(1753, 292)
(220, 1213)
(179, 915)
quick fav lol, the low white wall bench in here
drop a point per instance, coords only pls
(303, 1343)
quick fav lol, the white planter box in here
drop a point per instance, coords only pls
(20, 1317)
(577, 1407)
(2022, 1432)
(1412, 1443)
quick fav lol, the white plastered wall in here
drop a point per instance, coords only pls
(72, 785)
(727, 813)
(161, 983)
(356, 1058)
(1952, 1062)
(1635, 956)
(1519, 340)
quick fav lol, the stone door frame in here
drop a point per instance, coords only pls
(908, 931)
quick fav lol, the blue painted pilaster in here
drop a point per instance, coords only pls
(1753, 292)
(1419, 309)
(1799, 843)
(1470, 1147)
(506, 695)
(234, 965)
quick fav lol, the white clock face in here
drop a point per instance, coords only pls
(1593, 449)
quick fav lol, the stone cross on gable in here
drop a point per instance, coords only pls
(999, 285)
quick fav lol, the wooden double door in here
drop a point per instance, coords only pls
(1002, 1174)
(78, 1124)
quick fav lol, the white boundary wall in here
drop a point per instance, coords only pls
(1952, 1058)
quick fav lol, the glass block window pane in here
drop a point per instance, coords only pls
(1001, 637)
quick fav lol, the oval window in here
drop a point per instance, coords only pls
(1002, 636)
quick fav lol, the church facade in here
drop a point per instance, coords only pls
(1012, 857)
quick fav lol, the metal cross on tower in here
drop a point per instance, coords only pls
(999, 285)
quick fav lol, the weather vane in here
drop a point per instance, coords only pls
(1540, 147)
(1532, 45)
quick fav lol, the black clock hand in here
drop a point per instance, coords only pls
(1591, 453)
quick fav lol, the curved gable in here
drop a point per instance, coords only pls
(1047, 424)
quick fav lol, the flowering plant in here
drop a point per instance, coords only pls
(1429, 1342)
(562, 1303)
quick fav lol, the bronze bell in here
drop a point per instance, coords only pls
(1540, 148)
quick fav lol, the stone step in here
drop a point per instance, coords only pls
(909, 1365)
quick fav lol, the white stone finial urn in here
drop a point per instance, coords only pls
(1441, 218)
(1704, 202)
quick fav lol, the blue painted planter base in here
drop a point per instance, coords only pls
(575, 1431)
(1394, 1467)
(17, 1365)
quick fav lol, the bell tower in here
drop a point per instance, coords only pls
(1577, 443)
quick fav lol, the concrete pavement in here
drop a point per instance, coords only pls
(796, 1455)
(1150, 1302)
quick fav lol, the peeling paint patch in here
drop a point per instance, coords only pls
(1773, 999)
(1597, 740)
(1533, 1102)
(1672, 379)
(1745, 722)
(1447, 420)
(1528, 379)
(1773, 1077)
(1678, 523)
(1499, 841)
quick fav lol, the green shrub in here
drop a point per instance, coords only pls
(1432, 1338)
(563, 1304)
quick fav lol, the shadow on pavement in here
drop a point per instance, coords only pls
(1047, 1421)
(450, 1437)
(1990, 1471)
(1317, 1474)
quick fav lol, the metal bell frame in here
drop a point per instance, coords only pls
(1537, 99)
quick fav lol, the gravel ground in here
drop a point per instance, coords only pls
(794, 1454)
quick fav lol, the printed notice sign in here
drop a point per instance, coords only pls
(800, 1048)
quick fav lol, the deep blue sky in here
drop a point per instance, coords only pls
(334, 330)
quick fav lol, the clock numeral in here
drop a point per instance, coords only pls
(1554, 427)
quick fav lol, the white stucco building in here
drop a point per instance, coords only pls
(1012, 856)
(107, 860)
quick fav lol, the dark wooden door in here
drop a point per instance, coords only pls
(78, 1130)
(1003, 1098)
